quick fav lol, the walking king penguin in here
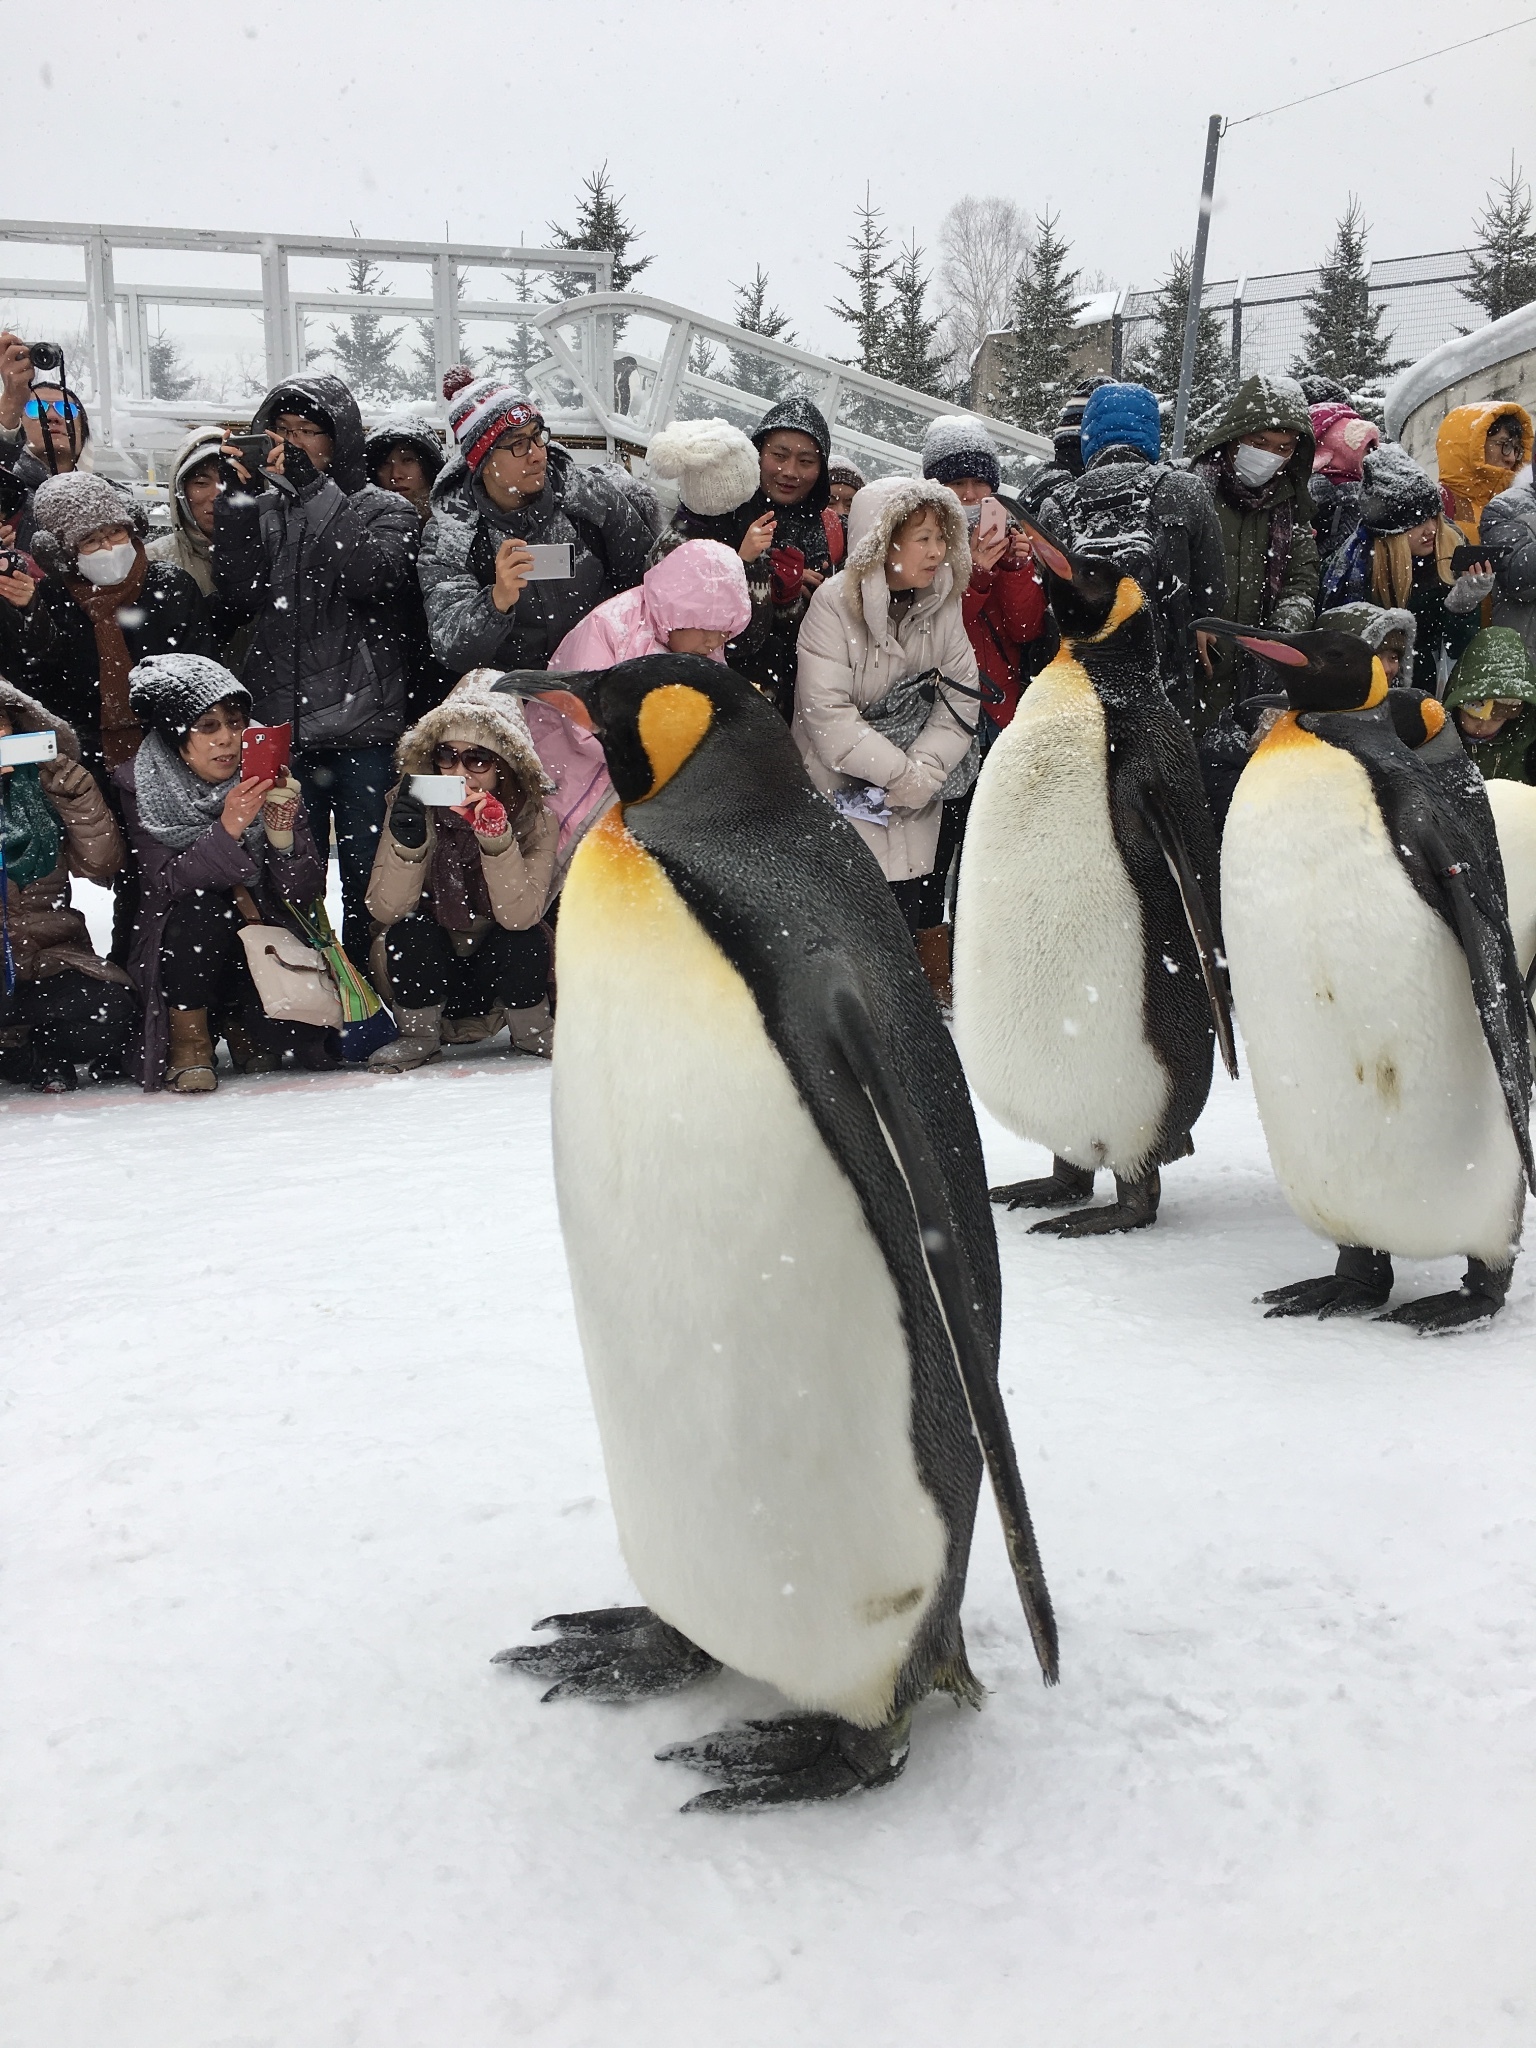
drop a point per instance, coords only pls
(1088, 984)
(1376, 982)
(785, 1273)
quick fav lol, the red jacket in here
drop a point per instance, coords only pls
(1002, 608)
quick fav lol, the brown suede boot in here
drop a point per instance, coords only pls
(247, 1056)
(933, 957)
(190, 1071)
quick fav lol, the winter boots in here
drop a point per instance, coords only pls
(933, 957)
(533, 1031)
(190, 1070)
(420, 1040)
(247, 1056)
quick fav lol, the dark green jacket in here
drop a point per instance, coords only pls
(1496, 665)
(1259, 402)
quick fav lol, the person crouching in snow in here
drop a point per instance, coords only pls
(691, 602)
(211, 849)
(461, 891)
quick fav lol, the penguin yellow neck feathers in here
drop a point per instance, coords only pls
(1432, 711)
(1378, 692)
(672, 721)
(1128, 601)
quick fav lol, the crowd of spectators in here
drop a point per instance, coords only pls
(384, 595)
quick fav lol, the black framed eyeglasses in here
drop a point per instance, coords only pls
(525, 443)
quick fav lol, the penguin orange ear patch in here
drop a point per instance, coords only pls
(672, 721)
(1273, 650)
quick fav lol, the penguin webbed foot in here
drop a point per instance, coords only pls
(1480, 1295)
(787, 1762)
(1361, 1281)
(1064, 1184)
(1134, 1208)
(611, 1654)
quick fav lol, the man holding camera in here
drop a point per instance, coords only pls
(318, 557)
(43, 425)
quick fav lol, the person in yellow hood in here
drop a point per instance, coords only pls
(1480, 450)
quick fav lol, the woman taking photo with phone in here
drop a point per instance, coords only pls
(460, 887)
(214, 851)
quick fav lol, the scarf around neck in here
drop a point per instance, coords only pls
(120, 729)
(30, 835)
(176, 806)
(460, 897)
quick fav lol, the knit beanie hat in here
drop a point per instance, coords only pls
(69, 509)
(1121, 416)
(956, 446)
(713, 464)
(844, 473)
(481, 411)
(412, 430)
(1398, 494)
(174, 690)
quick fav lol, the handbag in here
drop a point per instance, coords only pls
(906, 708)
(293, 979)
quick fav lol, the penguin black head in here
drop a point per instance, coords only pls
(651, 715)
(1092, 599)
(1324, 671)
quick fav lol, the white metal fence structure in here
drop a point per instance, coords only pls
(609, 370)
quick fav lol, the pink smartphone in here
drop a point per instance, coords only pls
(265, 751)
(992, 524)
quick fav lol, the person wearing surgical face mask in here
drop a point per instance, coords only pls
(1254, 453)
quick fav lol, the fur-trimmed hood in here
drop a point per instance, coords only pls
(27, 715)
(475, 714)
(873, 518)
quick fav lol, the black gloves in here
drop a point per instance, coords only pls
(407, 819)
(297, 467)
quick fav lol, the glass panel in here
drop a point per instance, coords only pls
(60, 320)
(871, 463)
(869, 412)
(507, 348)
(696, 403)
(639, 343)
(385, 361)
(753, 369)
(205, 355)
(308, 275)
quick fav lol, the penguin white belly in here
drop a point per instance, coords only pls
(1049, 969)
(1380, 1104)
(1514, 816)
(742, 1333)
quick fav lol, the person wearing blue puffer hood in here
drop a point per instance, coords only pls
(1154, 522)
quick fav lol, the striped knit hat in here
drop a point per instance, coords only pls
(480, 412)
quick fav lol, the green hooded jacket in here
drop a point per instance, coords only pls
(1259, 402)
(1496, 665)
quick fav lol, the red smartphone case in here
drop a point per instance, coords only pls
(265, 751)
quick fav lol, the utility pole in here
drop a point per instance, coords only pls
(1196, 286)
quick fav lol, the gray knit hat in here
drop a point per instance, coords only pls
(1396, 494)
(69, 509)
(174, 690)
(957, 446)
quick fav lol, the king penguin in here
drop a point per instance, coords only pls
(784, 1268)
(1088, 981)
(1376, 981)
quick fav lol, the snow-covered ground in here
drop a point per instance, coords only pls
(296, 1436)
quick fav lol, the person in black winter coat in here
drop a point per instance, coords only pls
(405, 455)
(509, 488)
(320, 558)
(1156, 523)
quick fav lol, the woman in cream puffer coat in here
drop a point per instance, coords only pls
(862, 633)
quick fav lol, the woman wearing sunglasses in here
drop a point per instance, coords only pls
(460, 889)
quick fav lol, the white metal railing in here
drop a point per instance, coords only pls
(609, 370)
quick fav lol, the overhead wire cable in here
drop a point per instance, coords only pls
(1385, 72)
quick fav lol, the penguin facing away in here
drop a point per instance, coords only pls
(785, 1274)
(1088, 981)
(1375, 978)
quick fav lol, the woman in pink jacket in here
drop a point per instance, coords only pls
(692, 602)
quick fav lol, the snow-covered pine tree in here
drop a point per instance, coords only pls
(871, 269)
(362, 346)
(1158, 355)
(421, 380)
(517, 358)
(1343, 336)
(600, 224)
(169, 376)
(914, 356)
(750, 368)
(1037, 373)
(1504, 260)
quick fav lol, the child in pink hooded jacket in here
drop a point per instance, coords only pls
(691, 602)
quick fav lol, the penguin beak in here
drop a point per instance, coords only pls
(571, 695)
(1270, 646)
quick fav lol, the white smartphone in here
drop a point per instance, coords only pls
(444, 791)
(551, 561)
(18, 748)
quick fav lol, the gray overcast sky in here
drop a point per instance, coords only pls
(745, 133)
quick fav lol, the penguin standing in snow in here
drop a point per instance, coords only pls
(1088, 985)
(784, 1268)
(1376, 982)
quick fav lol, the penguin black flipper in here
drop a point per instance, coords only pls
(1160, 823)
(944, 1256)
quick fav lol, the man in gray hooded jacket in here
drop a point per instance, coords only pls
(318, 556)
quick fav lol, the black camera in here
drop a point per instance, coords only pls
(47, 361)
(14, 563)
